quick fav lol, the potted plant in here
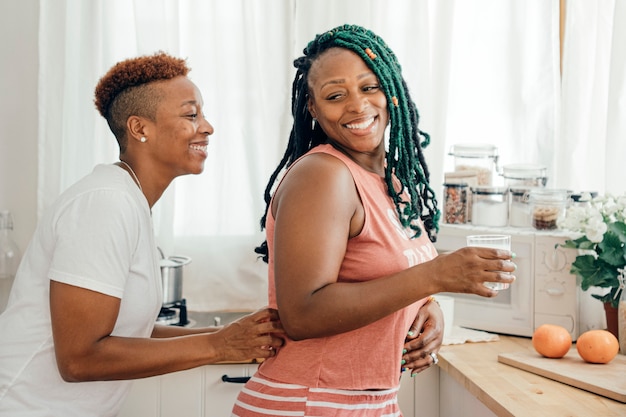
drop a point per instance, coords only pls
(600, 226)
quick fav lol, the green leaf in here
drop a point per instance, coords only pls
(612, 297)
(594, 272)
(580, 243)
(569, 243)
(619, 229)
(611, 249)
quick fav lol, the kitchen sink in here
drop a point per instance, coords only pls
(214, 318)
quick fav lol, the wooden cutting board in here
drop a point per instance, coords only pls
(608, 380)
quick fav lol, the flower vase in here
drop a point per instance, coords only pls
(611, 319)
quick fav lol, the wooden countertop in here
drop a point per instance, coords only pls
(509, 391)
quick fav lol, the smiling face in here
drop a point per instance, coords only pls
(179, 135)
(348, 102)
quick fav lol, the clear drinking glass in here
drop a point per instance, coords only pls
(495, 242)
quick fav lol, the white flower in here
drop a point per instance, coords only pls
(576, 218)
(620, 216)
(595, 229)
(609, 208)
(592, 219)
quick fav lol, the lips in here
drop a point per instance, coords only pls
(364, 124)
(200, 147)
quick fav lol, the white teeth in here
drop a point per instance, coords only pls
(361, 125)
(199, 147)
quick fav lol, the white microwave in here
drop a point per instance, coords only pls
(544, 291)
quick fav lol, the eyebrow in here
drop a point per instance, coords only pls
(343, 80)
(192, 102)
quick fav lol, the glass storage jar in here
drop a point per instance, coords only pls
(481, 158)
(547, 207)
(519, 209)
(455, 203)
(490, 206)
(468, 177)
(524, 175)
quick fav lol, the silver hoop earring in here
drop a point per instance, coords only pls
(143, 139)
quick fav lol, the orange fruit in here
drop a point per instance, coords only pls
(552, 341)
(597, 346)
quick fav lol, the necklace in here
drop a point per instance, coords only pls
(132, 173)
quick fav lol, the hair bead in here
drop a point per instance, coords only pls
(394, 100)
(371, 54)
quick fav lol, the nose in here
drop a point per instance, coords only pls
(357, 103)
(206, 127)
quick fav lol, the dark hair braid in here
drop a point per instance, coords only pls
(405, 158)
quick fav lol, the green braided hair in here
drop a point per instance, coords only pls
(405, 158)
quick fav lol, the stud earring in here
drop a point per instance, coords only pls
(143, 139)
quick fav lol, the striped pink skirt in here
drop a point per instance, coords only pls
(261, 397)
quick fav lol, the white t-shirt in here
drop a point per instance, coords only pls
(98, 235)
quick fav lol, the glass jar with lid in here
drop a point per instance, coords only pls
(455, 203)
(481, 158)
(463, 177)
(525, 175)
(519, 209)
(547, 207)
(583, 199)
(490, 206)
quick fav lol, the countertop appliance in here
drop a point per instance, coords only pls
(174, 308)
(544, 291)
(174, 314)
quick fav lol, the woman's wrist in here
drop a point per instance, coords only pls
(431, 299)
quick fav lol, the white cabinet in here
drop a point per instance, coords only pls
(434, 393)
(143, 399)
(201, 392)
(456, 400)
(219, 395)
(419, 395)
(198, 392)
(181, 393)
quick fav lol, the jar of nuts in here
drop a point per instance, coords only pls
(547, 206)
(455, 203)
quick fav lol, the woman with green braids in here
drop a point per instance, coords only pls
(349, 227)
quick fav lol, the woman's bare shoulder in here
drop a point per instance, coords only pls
(318, 177)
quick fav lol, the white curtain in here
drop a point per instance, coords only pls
(480, 71)
(592, 144)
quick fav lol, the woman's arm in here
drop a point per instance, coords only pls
(164, 331)
(82, 322)
(315, 216)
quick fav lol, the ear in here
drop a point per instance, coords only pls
(137, 127)
(311, 107)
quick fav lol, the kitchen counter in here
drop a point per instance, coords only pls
(509, 391)
(503, 389)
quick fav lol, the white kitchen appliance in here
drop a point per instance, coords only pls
(544, 292)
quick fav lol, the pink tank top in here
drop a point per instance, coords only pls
(368, 357)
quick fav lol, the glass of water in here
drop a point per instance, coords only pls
(495, 242)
